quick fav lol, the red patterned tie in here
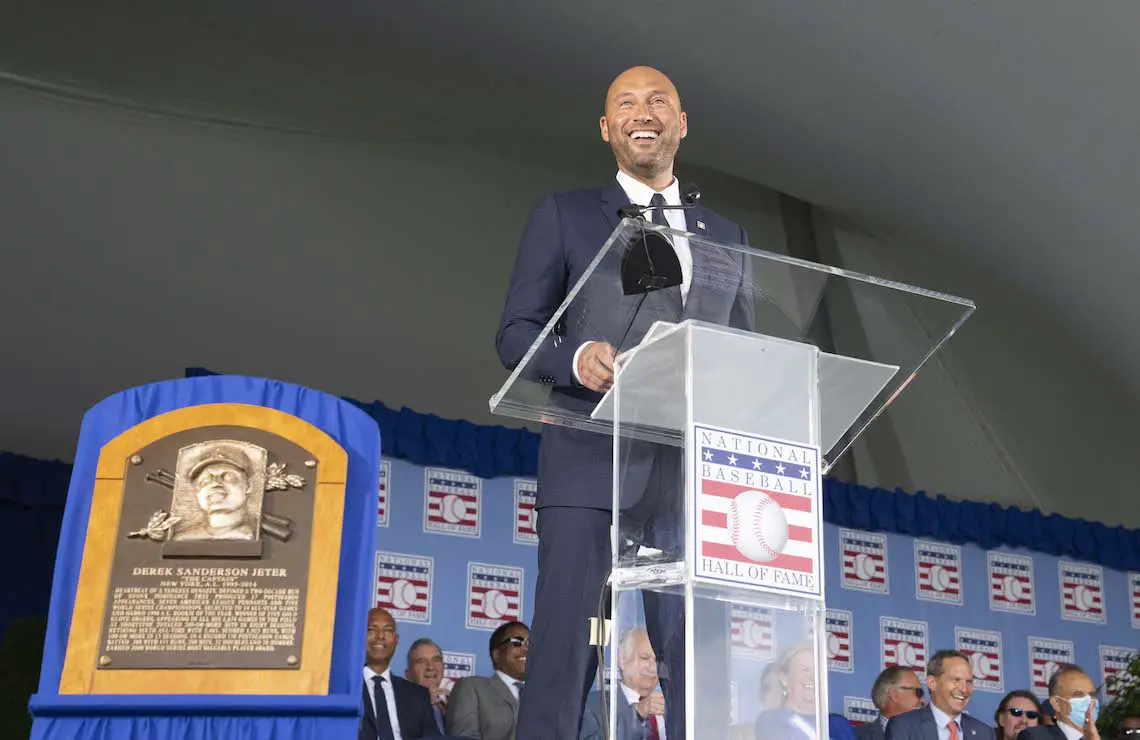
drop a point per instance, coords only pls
(654, 733)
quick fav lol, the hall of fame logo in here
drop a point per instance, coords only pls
(903, 642)
(938, 572)
(1045, 657)
(494, 595)
(984, 650)
(452, 502)
(455, 667)
(864, 557)
(385, 478)
(1011, 583)
(758, 517)
(752, 633)
(1134, 598)
(526, 523)
(403, 586)
(838, 625)
(1114, 660)
(859, 711)
(1082, 592)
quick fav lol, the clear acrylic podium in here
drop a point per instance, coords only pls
(741, 381)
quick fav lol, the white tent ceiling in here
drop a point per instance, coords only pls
(999, 136)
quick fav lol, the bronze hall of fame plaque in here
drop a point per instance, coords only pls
(211, 557)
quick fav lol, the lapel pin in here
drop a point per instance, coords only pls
(701, 225)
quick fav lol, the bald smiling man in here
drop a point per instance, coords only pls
(643, 124)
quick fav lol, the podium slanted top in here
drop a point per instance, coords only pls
(874, 335)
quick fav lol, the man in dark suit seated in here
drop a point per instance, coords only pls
(896, 690)
(643, 125)
(1072, 695)
(394, 708)
(951, 683)
(487, 707)
(640, 716)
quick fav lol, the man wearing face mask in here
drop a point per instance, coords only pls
(1072, 694)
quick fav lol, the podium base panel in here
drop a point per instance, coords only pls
(721, 658)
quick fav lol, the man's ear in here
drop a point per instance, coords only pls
(684, 124)
(604, 126)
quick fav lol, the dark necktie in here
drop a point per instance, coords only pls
(383, 720)
(657, 202)
(671, 296)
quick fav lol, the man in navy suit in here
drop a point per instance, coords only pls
(394, 708)
(644, 125)
(950, 680)
(1072, 697)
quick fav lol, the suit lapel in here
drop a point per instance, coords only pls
(504, 693)
(369, 714)
(398, 694)
(613, 198)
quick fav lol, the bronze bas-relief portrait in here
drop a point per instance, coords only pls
(218, 491)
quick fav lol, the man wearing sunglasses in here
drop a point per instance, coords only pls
(1016, 711)
(1129, 728)
(950, 680)
(1072, 696)
(487, 707)
(896, 690)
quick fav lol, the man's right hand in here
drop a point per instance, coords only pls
(596, 366)
(652, 705)
(439, 696)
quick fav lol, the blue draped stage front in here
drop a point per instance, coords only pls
(32, 496)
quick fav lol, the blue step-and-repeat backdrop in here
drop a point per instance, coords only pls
(456, 556)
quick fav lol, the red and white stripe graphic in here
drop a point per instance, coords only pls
(1045, 656)
(1011, 583)
(1082, 592)
(752, 633)
(839, 658)
(403, 585)
(864, 556)
(385, 477)
(452, 502)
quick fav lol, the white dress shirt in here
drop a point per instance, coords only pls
(389, 698)
(1071, 733)
(510, 682)
(633, 698)
(640, 194)
(942, 722)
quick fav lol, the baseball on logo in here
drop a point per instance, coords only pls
(403, 594)
(980, 664)
(453, 508)
(758, 525)
(832, 645)
(865, 566)
(495, 604)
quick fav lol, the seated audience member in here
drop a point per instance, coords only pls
(1129, 728)
(787, 693)
(425, 667)
(1072, 697)
(1016, 711)
(642, 715)
(487, 707)
(839, 727)
(393, 707)
(950, 681)
(896, 690)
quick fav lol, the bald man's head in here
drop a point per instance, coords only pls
(644, 125)
(381, 639)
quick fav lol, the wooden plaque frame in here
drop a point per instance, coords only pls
(80, 672)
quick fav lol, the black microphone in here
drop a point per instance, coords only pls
(690, 197)
(651, 264)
